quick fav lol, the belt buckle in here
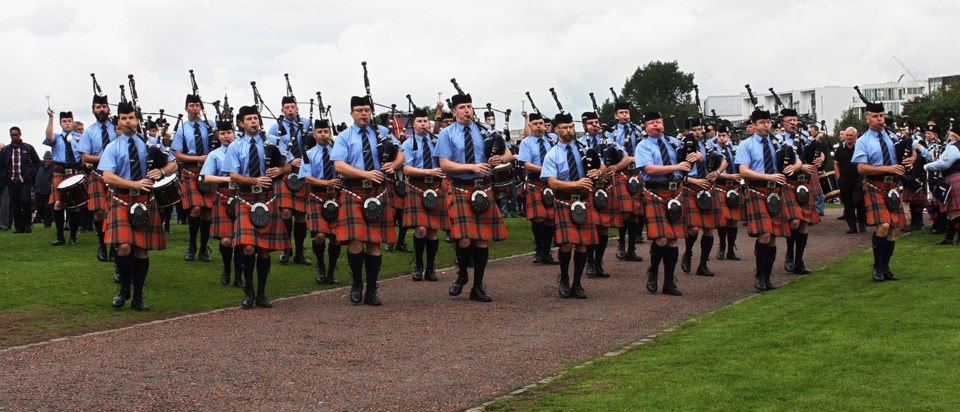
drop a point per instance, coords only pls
(134, 192)
(232, 186)
(428, 180)
(889, 179)
(256, 189)
(771, 185)
(631, 166)
(68, 171)
(802, 178)
(575, 198)
(672, 185)
(366, 184)
(477, 183)
(330, 190)
(731, 183)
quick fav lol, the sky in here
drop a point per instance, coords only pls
(497, 50)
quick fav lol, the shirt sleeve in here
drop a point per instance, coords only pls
(176, 143)
(444, 148)
(340, 150)
(231, 160)
(407, 148)
(860, 153)
(84, 146)
(550, 166)
(743, 155)
(108, 161)
(526, 153)
(210, 166)
(947, 159)
(306, 169)
(643, 156)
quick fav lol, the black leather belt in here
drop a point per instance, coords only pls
(131, 192)
(425, 180)
(533, 177)
(253, 189)
(470, 183)
(571, 196)
(68, 168)
(882, 178)
(762, 184)
(728, 182)
(317, 190)
(798, 177)
(663, 185)
(360, 184)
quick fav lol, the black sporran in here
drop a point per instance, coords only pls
(774, 205)
(674, 210)
(372, 210)
(892, 198)
(633, 185)
(259, 215)
(704, 200)
(138, 216)
(578, 213)
(547, 197)
(480, 202)
(294, 183)
(430, 199)
(803, 195)
(330, 210)
(600, 199)
(733, 198)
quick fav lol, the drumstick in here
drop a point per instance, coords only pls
(48, 101)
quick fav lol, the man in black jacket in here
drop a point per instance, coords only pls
(18, 167)
(41, 187)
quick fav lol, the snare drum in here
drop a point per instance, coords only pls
(167, 191)
(828, 182)
(73, 191)
(502, 178)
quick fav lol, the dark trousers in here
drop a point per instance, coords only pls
(19, 198)
(44, 210)
(854, 205)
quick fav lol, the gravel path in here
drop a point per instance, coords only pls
(422, 350)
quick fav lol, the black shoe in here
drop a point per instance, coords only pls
(430, 275)
(564, 288)
(945, 242)
(417, 274)
(788, 263)
(285, 256)
(332, 277)
(116, 276)
(73, 241)
(262, 301)
(238, 280)
(632, 256)
(537, 258)
(732, 254)
(769, 285)
(578, 292)
(601, 272)
(101, 252)
(457, 287)
(321, 275)
(59, 242)
(800, 268)
(651, 281)
(685, 262)
(703, 270)
(247, 301)
(852, 231)
(621, 252)
(204, 255)
(371, 298)
(123, 293)
(302, 260)
(877, 275)
(402, 248)
(722, 253)
(862, 227)
(479, 295)
(759, 283)
(388, 247)
(190, 255)
(447, 238)
(888, 275)
(356, 294)
(137, 304)
(671, 290)
(591, 270)
(225, 277)
(549, 260)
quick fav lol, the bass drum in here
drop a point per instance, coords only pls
(73, 191)
(828, 182)
(167, 191)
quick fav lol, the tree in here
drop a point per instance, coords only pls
(849, 118)
(662, 87)
(938, 106)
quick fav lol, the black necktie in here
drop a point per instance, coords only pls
(768, 166)
(664, 154)
(469, 155)
(69, 157)
(367, 150)
(325, 163)
(729, 156)
(427, 156)
(572, 171)
(198, 140)
(136, 171)
(253, 159)
(627, 141)
(543, 150)
(104, 136)
(295, 139)
(887, 160)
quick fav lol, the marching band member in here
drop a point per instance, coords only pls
(222, 224)
(425, 215)
(191, 152)
(628, 137)
(292, 203)
(94, 139)
(325, 187)
(729, 186)
(67, 161)
(533, 149)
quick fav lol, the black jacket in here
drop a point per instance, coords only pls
(44, 179)
(29, 162)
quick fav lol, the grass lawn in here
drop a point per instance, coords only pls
(830, 341)
(62, 291)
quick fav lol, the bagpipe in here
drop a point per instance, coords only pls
(212, 141)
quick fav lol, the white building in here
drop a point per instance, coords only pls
(824, 103)
(892, 95)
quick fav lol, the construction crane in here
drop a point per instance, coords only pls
(913, 76)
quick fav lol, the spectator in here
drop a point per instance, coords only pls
(850, 182)
(42, 189)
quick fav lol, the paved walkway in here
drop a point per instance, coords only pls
(422, 350)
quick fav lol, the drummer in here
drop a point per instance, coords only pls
(123, 163)
(191, 152)
(66, 162)
(533, 149)
(222, 224)
(425, 215)
(318, 173)
(292, 140)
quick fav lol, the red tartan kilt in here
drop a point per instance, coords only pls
(97, 196)
(694, 217)
(569, 232)
(415, 215)
(191, 194)
(807, 213)
(656, 215)
(273, 236)
(910, 196)
(731, 213)
(291, 200)
(953, 199)
(535, 207)
(758, 220)
(54, 193)
(315, 221)
(874, 195)
(117, 227)
(221, 226)
(626, 203)
(612, 216)
(465, 224)
(396, 201)
(352, 226)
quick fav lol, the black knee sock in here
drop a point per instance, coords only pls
(622, 231)
(74, 219)
(890, 245)
(801, 246)
(706, 246)
(952, 226)
(288, 225)
(372, 264)
(601, 247)
(204, 233)
(58, 222)
(318, 253)
(238, 259)
(579, 262)
(401, 235)
(194, 225)
(249, 264)
(98, 227)
(689, 242)
(670, 257)
(333, 252)
(139, 274)
(226, 253)
(656, 256)
(640, 227)
(791, 241)
(480, 258)
(263, 269)
(722, 237)
(591, 253)
(432, 245)
(551, 231)
(731, 238)
(564, 266)
(125, 268)
(633, 230)
(299, 234)
(398, 219)
(355, 260)
(419, 244)
(462, 253)
(771, 259)
(879, 249)
(760, 251)
(536, 228)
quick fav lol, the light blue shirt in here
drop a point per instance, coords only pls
(750, 153)
(349, 147)
(949, 156)
(591, 142)
(293, 129)
(450, 146)
(648, 153)
(91, 140)
(530, 149)
(186, 135)
(555, 165)
(695, 169)
(414, 158)
(59, 150)
(236, 159)
(867, 149)
(152, 140)
(314, 168)
(115, 157)
(626, 133)
(728, 155)
(214, 164)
